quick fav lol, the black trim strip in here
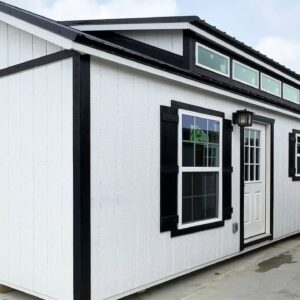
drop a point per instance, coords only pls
(179, 232)
(44, 60)
(81, 161)
(99, 44)
(292, 150)
(260, 240)
(201, 110)
(196, 21)
(265, 120)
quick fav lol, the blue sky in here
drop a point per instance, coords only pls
(271, 26)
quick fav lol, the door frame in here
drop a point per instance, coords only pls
(269, 123)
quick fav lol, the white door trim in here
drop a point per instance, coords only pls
(269, 124)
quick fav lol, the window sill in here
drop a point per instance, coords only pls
(198, 223)
(296, 178)
(178, 232)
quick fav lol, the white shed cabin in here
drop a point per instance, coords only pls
(134, 151)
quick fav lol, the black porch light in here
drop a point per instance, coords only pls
(243, 118)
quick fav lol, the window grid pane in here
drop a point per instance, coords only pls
(251, 155)
(200, 146)
(199, 196)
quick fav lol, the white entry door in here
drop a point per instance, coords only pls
(255, 180)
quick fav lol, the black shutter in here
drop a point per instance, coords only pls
(168, 168)
(227, 169)
(292, 146)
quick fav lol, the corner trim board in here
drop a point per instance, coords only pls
(81, 177)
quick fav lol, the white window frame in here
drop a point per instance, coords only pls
(280, 89)
(296, 154)
(291, 87)
(199, 169)
(213, 51)
(234, 62)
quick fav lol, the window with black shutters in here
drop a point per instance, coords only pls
(195, 169)
(200, 170)
(294, 155)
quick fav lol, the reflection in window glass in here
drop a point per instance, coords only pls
(200, 187)
(199, 196)
(200, 142)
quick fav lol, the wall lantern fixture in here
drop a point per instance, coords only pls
(243, 118)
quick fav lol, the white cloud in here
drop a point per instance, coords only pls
(93, 9)
(285, 51)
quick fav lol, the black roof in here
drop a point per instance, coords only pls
(199, 23)
(103, 45)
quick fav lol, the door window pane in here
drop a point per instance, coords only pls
(252, 155)
(257, 172)
(251, 172)
(212, 60)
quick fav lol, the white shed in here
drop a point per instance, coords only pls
(134, 151)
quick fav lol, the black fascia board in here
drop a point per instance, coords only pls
(197, 22)
(90, 41)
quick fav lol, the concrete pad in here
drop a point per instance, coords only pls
(272, 273)
(15, 295)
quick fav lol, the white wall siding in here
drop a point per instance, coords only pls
(128, 250)
(36, 181)
(17, 46)
(170, 40)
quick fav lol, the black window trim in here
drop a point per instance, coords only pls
(292, 155)
(178, 232)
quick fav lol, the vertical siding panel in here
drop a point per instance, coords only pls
(26, 187)
(40, 150)
(52, 48)
(26, 46)
(96, 203)
(169, 40)
(4, 179)
(13, 45)
(54, 171)
(3, 46)
(14, 178)
(66, 241)
(39, 47)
